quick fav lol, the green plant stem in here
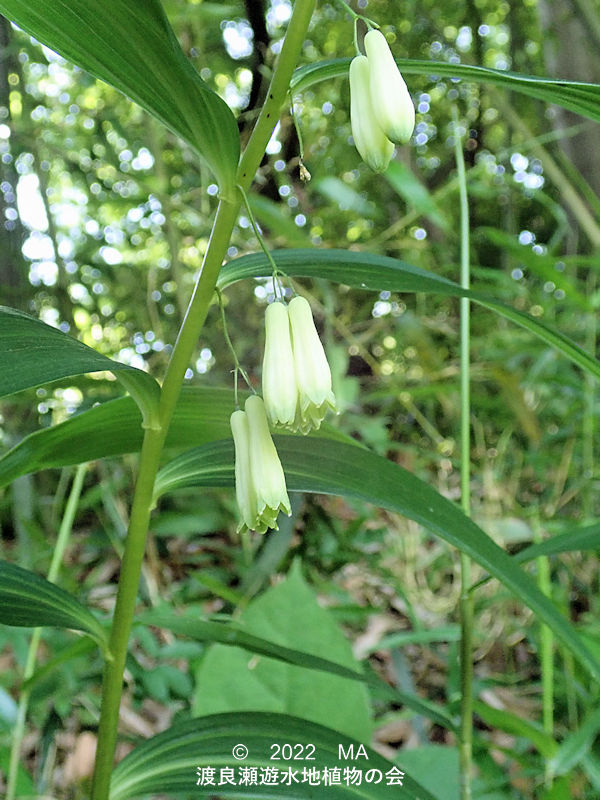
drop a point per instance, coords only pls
(64, 533)
(152, 446)
(262, 243)
(466, 596)
(237, 366)
(546, 654)
(589, 411)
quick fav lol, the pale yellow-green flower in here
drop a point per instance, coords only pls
(296, 375)
(313, 376)
(259, 479)
(280, 391)
(373, 145)
(390, 98)
(244, 486)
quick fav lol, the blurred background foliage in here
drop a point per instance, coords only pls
(105, 217)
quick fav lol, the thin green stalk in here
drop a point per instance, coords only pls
(466, 596)
(237, 366)
(546, 654)
(62, 540)
(152, 446)
(589, 413)
(262, 243)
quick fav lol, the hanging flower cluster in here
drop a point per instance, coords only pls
(381, 110)
(296, 375)
(259, 480)
(297, 393)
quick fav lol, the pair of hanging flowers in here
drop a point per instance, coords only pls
(381, 110)
(297, 394)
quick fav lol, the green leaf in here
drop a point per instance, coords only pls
(28, 600)
(80, 647)
(591, 766)
(344, 196)
(587, 538)
(414, 193)
(229, 633)
(576, 745)
(278, 219)
(24, 785)
(287, 614)
(374, 272)
(115, 427)
(168, 762)
(583, 98)
(517, 726)
(132, 46)
(34, 353)
(542, 265)
(352, 471)
(449, 633)
(436, 767)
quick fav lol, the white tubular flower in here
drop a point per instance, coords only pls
(244, 487)
(373, 145)
(313, 375)
(390, 98)
(280, 390)
(265, 467)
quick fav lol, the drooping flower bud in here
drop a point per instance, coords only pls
(266, 471)
(390, 98)
(373, 145)
(313, 375)
(244, 486)
(280, 390)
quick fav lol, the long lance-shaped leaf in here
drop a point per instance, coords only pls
(369, 271)
(575, 539)
(229, 633)
(28, 600)
(351, 471)
(168, 763)
(132, 46)
(583, 98)
(33, 353)
(587, 538)
(114, 428)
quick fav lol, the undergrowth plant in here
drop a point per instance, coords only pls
(278, 439)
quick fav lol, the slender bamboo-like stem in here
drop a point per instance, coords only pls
(589, 410)
(182, 352)
(546, 653)
(64, 533)
(466, 597)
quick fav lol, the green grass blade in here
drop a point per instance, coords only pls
(517, 726)
(576, 745)
(583, 98)
(28, 600)
(587, 538)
